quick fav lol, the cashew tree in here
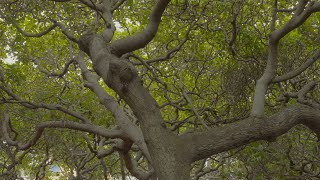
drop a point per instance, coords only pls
(106, 89)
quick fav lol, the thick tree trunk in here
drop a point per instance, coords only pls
(168, 153)
(169, 157)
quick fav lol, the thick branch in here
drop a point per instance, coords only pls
(262, 84)
(302, 14)
(111, 104)
(142, 38)
(220, 139)
(91, 5)
(117, 5)
(298, 19)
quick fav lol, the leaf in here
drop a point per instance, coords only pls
(130, 3)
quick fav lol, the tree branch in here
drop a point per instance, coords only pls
(132, 166)
(297, 19)
(142, 38)
(32, 105)
(52, 74)
(230, 136)
(15, 24)
(299, 70)
(90, 4)
(111, 104)
(262, 84)
(66, 32)
(59, 124)
(117, 5)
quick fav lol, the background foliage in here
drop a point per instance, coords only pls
(202, 65)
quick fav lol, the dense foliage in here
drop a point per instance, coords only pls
(202, 68)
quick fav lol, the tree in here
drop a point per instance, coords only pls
(161, 88)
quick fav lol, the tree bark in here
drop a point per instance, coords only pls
(221, 139)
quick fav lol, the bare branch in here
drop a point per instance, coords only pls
(171, 52)
(274, 16)
(301, 95)
(195, 111)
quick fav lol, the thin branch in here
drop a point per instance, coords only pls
(274, 16)
(52, 74)
(301, 95)
(170, 53)
(65, 31)
(59, 124)
(27, 34)
(33, 105)
(195, 111)
(299, 70)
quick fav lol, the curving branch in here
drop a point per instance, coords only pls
(301, 95)
(90, 4)
(300, 7)
(117, 5)
(142, 38)
(230, 136)
(299, 70)
(60, 0)
(170, 53)
(303, 11)
(66, 32)
(111, 104)
(33, 105)
(132, 166)
(90, 128)
(52, 74)
(27, 34)
(14, 158)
